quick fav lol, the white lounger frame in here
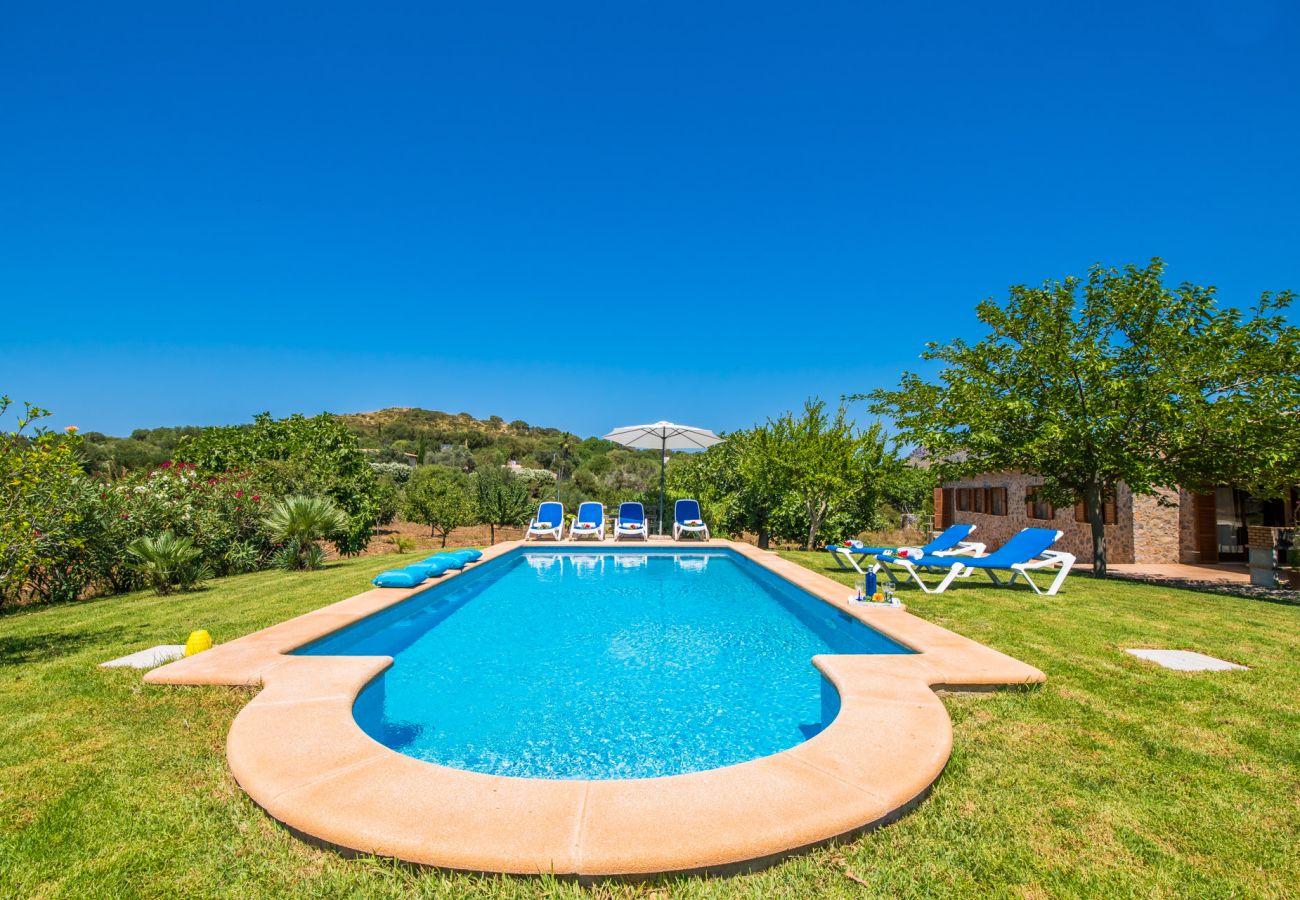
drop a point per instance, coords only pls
(1045, 560)
(535, 530)
(679, 529)
(631, 529)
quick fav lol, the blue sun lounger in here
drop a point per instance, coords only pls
(549, 520)
(952, 542)
(590, 521)
(688, 520)
(1025, 552)
(631, 521)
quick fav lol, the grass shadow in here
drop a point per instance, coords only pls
(31, 608)
(51, 645)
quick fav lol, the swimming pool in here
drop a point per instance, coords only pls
(602, 664)
(298, 750)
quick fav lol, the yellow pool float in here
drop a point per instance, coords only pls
(197, 642)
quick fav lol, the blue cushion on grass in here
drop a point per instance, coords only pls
(451, 559)
(431, 567)
(468, 554)
(398, 578)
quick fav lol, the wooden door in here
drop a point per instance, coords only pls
(943, 507)
(1207, 534)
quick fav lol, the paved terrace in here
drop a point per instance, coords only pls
(1218, 573)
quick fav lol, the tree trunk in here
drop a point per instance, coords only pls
(816, 512)
(1096, 518)
(764, 533)
(492, 530)
(444, 539)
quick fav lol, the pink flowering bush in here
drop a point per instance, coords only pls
(65, 533)
(221, 515)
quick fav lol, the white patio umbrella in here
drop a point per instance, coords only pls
(666, 436)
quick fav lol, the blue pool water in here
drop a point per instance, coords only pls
(602, 664)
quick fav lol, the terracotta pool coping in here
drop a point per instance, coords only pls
(299, 754)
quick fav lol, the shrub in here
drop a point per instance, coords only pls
(315, 456)
(297, 523)
(42, 528)
(222, 515)
(296, 555)
(167, 562)
(399, 472)
(242, 557)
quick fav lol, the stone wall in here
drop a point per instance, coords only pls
(1144, 530)
(1189, 551)
(1157, 528)
(1077, 539)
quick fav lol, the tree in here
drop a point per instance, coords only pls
(453, 456)
(763, 481)
(501, 498)
(709, 477)
(906, 488)
(440, 498)
(297, 523)
(739, 482)
(1090, 382)
(825, 461)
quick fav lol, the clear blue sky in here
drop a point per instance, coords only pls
(589, 215)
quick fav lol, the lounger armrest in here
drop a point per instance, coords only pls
(965, 548)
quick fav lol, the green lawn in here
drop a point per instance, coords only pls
(1115, 778)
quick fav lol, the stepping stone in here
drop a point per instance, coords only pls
(148, 659)
(1185, 660)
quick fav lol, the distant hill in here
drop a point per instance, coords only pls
(408, 421)
(397, 434)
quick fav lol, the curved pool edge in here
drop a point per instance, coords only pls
(297, 751)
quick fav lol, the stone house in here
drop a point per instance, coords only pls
(1173, 527)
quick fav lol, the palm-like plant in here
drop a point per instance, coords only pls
(297, 523)
(168, 562)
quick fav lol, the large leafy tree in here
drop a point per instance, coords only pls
(762, 481)
(440, 498)
(1113, 377)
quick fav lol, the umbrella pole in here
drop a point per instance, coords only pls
(663, 465)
